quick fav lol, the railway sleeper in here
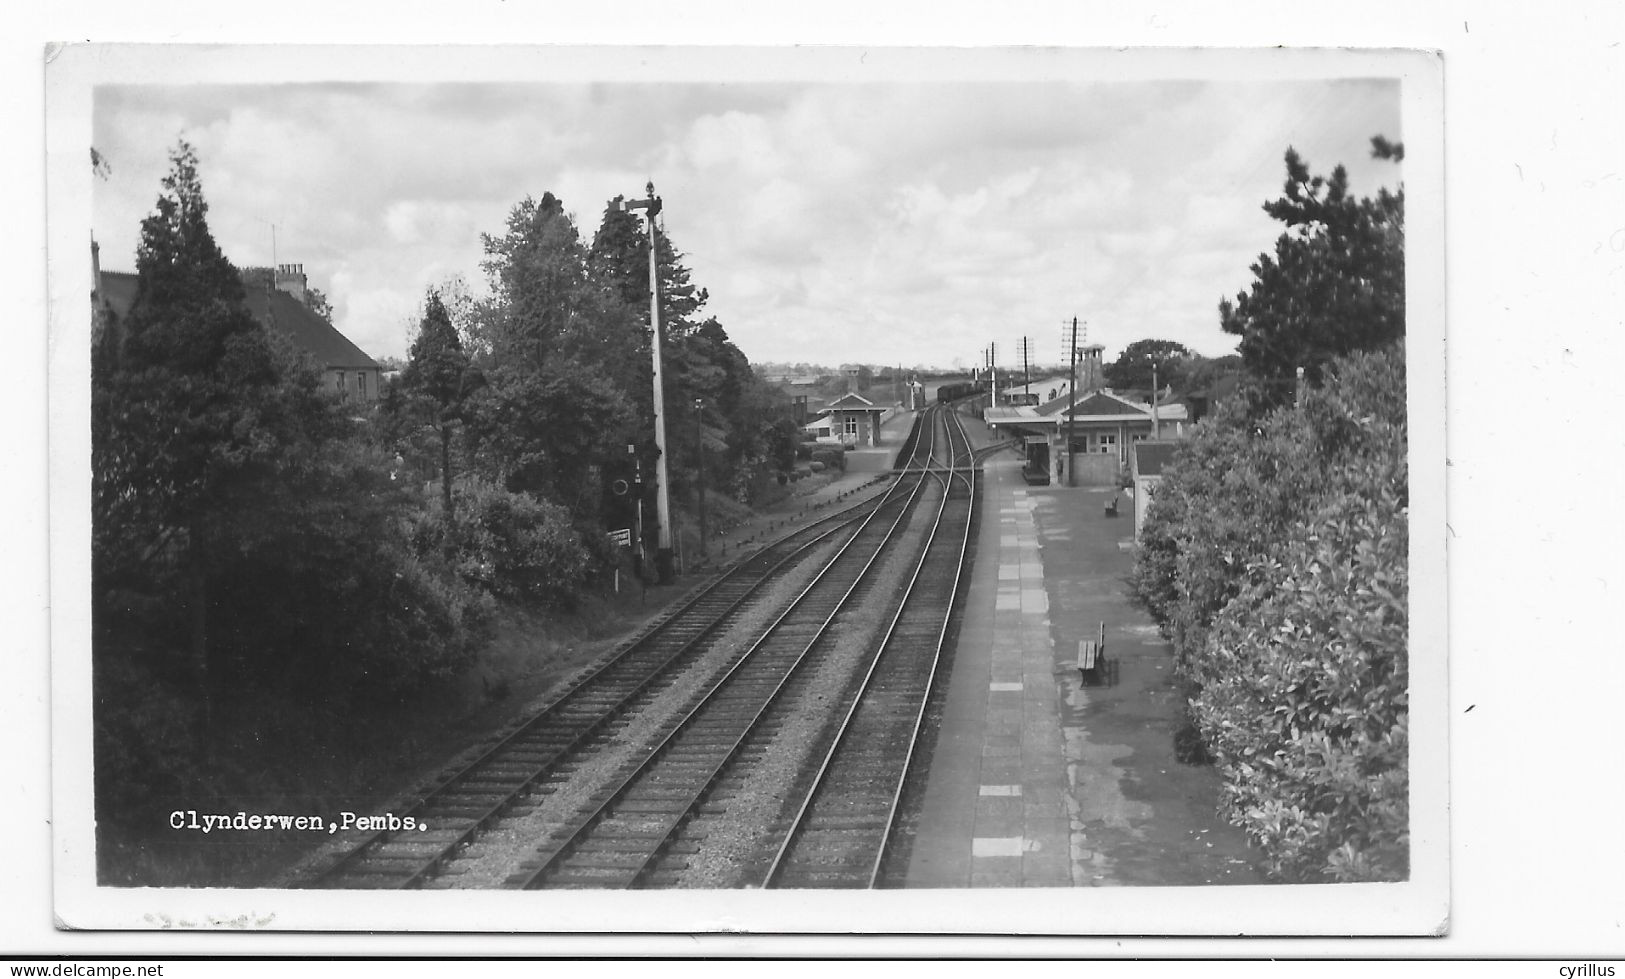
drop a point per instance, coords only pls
(607, 860)
(622, 844)
(648, 806)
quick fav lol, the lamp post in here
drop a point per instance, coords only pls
(1072, 405)
(650, 207)
(699, 464)
(1155, 431)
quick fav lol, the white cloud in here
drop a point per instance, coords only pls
(831, 222)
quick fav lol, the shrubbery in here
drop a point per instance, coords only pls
(511, 545)
(1274, 555)
(833, 459)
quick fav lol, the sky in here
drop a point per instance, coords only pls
(895, 221)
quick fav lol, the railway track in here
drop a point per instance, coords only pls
(631, 831)
(620, 839)
(468, 800)
(840, 835)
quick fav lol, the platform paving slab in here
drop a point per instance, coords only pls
(1037, 780)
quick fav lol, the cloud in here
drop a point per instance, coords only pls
(833, 222)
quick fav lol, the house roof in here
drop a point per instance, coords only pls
(1151, 457)
(274, 309)
(1104, 406)
(851, 402)
(118, 291)
(331, 348)
(1106, 403)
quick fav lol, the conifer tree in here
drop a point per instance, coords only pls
(439, 379)
(1335, 285)
(195, 419)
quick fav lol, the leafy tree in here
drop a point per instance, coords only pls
(544, 432)
(438, 380)
(557, 349)
(1335, 285)
(1131, 371)
(538, 273)
(317, 303)
(1198, 373)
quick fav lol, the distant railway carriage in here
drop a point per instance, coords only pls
(958, 390)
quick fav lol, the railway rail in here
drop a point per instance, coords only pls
(841, 832)
(626, 835)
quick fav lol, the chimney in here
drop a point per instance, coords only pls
(1089, 373)
(291, 280)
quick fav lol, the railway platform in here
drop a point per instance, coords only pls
(1037, 780)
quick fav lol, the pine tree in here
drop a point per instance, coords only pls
(619, 263)
(439, 378)
(193, 422)
(1336, 284)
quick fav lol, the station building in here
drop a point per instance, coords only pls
(1102, 428)
(851, 420)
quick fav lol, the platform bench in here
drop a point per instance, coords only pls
(1092, 658)
(1111, 507)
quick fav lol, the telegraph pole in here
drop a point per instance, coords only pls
(650, 207)
(1026, 367)
(1072, 405)
(993, 372)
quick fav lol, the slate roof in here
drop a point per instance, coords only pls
(850, 402)
(1101, 403)
(332, 349)
(1104, 404)
(278, 310)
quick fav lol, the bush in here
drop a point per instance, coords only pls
(1318, 636)
(379, 627)
(1274, 557)
(817, 467)
(834, 459)
(511, 545)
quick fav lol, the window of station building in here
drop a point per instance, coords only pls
(361, 383)
(851, 424)
(341, 383)
(1108, 443)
